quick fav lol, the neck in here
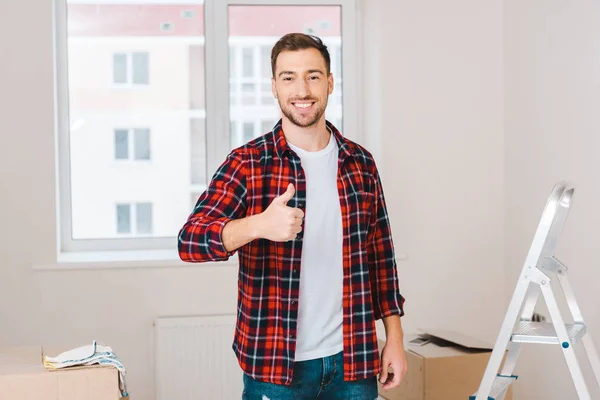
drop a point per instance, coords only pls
(313, 138)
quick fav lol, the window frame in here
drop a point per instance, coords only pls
(216, 110)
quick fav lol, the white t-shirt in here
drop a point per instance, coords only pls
(320, 313)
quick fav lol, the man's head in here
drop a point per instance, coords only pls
(302, 81)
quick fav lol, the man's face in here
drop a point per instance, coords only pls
(302, 86)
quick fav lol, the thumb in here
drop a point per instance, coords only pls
(384, 373)
(289, 193)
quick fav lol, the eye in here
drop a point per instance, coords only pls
(314, 78)
(287, 79)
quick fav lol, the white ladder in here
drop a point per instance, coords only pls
(541, 266)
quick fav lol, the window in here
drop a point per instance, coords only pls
(204, 66)
(141, 144)
(126, 214)
(130, 68)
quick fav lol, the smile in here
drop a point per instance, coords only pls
(303, 105)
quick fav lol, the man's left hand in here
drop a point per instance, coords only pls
(392, 355)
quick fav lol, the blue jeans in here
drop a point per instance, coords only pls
(321, 379)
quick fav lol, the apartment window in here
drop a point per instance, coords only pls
(211, 66)
(132, 144)
(131, 68)
(134, 219)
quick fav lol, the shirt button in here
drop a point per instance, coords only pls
(293, 301)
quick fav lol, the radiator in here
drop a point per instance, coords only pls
(194, 359)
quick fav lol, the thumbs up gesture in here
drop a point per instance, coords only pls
(280, 223)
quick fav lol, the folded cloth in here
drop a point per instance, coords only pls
(88, 355)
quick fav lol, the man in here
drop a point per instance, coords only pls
(304, 209)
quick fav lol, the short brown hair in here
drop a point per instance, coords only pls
(299, 41)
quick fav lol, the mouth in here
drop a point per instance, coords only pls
(303, 106)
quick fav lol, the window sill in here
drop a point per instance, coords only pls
(123, 260)
(132, 260)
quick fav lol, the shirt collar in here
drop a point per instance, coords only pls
(346, 147)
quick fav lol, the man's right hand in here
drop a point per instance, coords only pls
(280, 223)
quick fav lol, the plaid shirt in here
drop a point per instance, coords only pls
(269, 272)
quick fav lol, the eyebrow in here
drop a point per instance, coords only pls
(310, 71)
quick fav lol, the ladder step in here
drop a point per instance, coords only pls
(499, 387)
(544, 333)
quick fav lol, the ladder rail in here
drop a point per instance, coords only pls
(592, 355)
(514, 351)
(530, 302)
(547, 230)
(567, 290)
(560, 202)
(567, 347)
(588, 344)
(502, 340)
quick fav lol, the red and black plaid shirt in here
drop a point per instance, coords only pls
(269, 272)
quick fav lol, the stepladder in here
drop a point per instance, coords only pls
(540, 270)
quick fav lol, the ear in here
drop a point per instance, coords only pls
(273, 87)
(330, 83)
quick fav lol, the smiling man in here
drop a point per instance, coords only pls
(304, 209)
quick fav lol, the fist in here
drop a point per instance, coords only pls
(280, 223)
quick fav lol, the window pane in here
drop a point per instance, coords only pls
(121, 144)
(247, 63)
(248, 131)
(265, 60)
(194, 199)
(143, 218)
(198, 144)
(267, 100)
(140, 68)
(338, 65)
(123, 218)
(248, 88)
(142, 144)
(117, 41)
(233, 128)
(267, 126)
(250, 94)
(248, 99)
(120, 68)
(233, 63)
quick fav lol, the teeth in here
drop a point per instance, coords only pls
(303, 105)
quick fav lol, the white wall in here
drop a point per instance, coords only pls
(441, 153)
(552, 98)
(440, 77)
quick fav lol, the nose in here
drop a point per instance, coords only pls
(302, 89)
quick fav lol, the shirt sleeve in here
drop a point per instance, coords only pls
(383, 271)
(200, 238)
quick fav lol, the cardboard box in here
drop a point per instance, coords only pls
(23, 377)
(446, 366)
